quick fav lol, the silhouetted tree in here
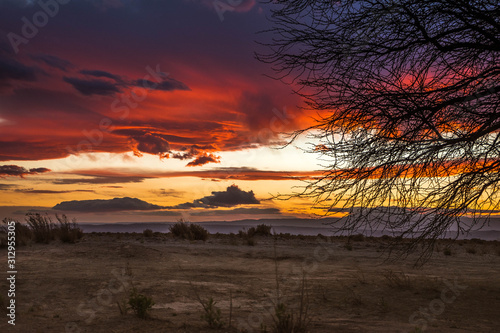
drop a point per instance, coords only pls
(407, 96)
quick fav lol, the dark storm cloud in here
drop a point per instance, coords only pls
(226, 173)
(191, 152)
(16, 170)
(167, 84)
(204, 159)
(232, 196)
(138, 133)
(250, 211)
(122, 41)
(11, 69)
(111, 205)
(100, 180)
(99, 73)
(53, 61)
(163, 213)
(93, 87)
(104, 87)
(197, 152)
(151, 144)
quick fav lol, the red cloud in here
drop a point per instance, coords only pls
(121, 176)
(218, 101)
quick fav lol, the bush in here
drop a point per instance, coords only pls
(260, 230)
(251, 232)
(41, 226)
(148, 233)
(263, 230)
(447, 252)
(189, 231)
(180, 230)
(198, 232)
(212, 314)
(23, 234)
(285, 320)
(68, 232)
(140, 303)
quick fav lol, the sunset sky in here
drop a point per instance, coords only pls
(124, 110)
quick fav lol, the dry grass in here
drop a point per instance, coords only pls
(398, 280)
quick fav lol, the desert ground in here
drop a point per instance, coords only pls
(340, 286)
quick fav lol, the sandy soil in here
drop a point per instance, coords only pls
(77, 287)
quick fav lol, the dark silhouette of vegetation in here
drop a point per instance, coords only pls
(260, 230)
(189, 231)
(42, 227)
(148, 233)
(407, 94)
(68, 232)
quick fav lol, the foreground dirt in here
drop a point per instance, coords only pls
(81, 287)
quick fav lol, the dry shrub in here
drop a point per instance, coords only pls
(42, 227)
(148, 233)
(23, 234)
(398, 279)
(190, 231)
(68, 232)
(140, 304)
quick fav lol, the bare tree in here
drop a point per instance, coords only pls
(407, 94)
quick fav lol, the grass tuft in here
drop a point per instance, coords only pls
(140, 304)
(398, 279)
(67, 232)
(42, 227)
(212, 314)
